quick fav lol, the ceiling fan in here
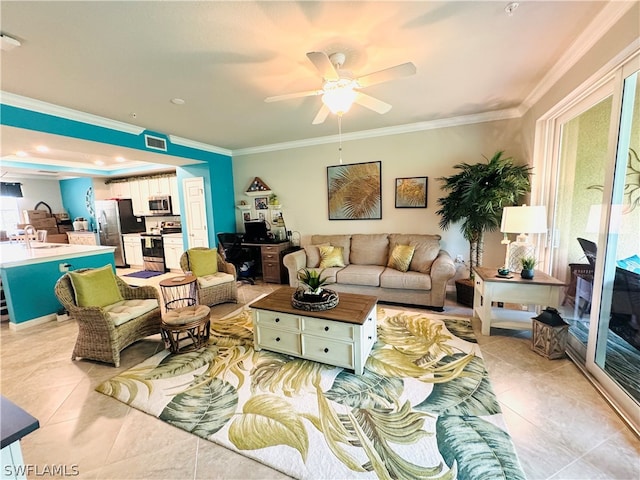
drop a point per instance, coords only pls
(340, 89)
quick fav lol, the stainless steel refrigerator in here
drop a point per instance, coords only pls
(115, 217)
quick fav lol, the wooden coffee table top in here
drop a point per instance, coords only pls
(352, 308)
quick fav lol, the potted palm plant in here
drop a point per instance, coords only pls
(475, 197)
(313, 281)
(528, 264)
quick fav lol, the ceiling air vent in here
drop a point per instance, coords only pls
(156, 143)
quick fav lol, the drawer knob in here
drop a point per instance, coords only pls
(277, 339)
(277, 320)
(326, 329)
(326, 350)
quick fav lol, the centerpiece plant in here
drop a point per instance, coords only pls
(312, 279)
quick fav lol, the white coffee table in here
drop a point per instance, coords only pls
(342, 336)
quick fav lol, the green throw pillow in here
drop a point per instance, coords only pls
(331, 256)
(203, 262)
(400, 257)
(96, 287)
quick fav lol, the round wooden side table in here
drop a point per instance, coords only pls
(179, 292)
(186, 329)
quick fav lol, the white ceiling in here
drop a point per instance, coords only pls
(119, 59)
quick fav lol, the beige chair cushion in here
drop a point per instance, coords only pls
(427, 249)
(123, 311)
(182, 316)
(215, 279)
(369, 249)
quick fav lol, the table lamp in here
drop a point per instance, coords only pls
(522, 220)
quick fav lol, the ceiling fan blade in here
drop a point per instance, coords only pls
(324, 65)
(391, 73)
(308, 93)
(372, 103)
(322, 115)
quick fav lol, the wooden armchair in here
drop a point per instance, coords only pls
(213, 289)
(99, 338)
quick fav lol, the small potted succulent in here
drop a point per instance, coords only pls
(313, 281)
(528, 264)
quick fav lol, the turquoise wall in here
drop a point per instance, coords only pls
(74, 192)
(29, 288)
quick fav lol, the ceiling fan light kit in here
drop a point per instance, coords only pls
(340, 90)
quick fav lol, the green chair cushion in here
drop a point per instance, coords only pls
(96, 287)
(203, 262)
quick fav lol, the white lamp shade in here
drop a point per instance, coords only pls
(524, 219)
(339, 100)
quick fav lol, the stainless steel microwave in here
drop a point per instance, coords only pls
(160, 205)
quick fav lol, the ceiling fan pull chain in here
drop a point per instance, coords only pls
(340, 137)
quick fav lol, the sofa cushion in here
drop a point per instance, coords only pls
(367, 275)
(427, 249)
(203, 262)
(329, 273)
(215, 279)
(369, 249)
(96, 287)
(391, 278)
(313, 255)
(343, 241)
(331, 256)
(125, 310)
(400, 257)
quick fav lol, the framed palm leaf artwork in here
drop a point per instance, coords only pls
(411, 192)
(355, 191)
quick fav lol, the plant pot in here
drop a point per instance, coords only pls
(527, 274)
(464, 292)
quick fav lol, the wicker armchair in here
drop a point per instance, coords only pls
(215, 294)
(98, 337)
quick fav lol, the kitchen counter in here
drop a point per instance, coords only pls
(37, 269)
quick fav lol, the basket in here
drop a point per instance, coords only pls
(327, 300)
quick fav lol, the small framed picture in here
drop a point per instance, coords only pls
(411, 192)
(246, 216)
(261, 203)
(261, 216)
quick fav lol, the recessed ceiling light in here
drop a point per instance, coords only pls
(42, 149)
(121, 159)
(177, 101)
(22, 153)
(98, 162)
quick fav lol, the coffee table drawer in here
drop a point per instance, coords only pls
(275, 319)
(326, 351)
(327, 328)
(279, 340)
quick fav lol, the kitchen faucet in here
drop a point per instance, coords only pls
(28, 230)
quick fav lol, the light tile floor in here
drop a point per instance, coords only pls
(561, 426)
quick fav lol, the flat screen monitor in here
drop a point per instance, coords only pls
(255, 231)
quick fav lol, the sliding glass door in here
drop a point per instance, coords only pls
(595, 237)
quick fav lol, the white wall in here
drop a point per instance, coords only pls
(299, 178)
(39, 190)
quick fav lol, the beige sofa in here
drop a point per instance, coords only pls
(365, 271)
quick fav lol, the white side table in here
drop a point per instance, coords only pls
(543, 290)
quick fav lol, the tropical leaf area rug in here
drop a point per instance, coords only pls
(424, 407)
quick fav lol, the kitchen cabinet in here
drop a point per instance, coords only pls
(82, 238)
(159, 186)
(175, 196)
(139, 190)
(173, 249)
(133, 250)
(120, 190)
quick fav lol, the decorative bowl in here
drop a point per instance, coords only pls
(503, 272)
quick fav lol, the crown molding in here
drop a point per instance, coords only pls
(185, 142)
(381, 132)
(26, 103)
(599, 26)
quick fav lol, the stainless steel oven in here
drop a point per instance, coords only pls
(153, 252)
